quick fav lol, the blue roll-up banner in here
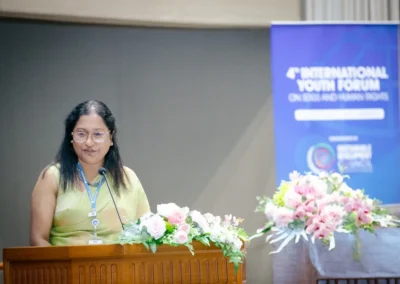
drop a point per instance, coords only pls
(336, 106)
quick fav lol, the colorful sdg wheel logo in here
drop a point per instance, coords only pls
(321, 158)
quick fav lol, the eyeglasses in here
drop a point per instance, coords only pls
(81, 136)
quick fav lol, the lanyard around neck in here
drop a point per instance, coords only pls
(92, 198)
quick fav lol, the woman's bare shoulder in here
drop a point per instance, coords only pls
(133, 179)
(130, 173)
(48, 179)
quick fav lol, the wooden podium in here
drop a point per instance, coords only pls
(106, 264)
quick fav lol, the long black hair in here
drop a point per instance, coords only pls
(67, 158)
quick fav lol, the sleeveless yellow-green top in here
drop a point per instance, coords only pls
(71, 223)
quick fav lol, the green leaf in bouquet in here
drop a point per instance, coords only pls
(351, 227)
(347, 194)
(169, 227)
(204, 240)
(262, 231)
(369, 228)
(236, 261)
(223, 246)
(295, 224)
(350, 222)
(262, 200)
(267, 227)
(190, 247)
(227, 253)
(325, 242)
(242, 234)
(161, 240)
(153, 247)
(379, 210)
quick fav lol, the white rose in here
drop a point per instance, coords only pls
(345, 188)
(295, 175)
(229, 237)
(155, 226)
(337, 178)
(215, 233)
(198, 218)
(167, 209)
(209, 217)
(323, 175)
(238, 244)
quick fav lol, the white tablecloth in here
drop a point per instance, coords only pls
(380, 257)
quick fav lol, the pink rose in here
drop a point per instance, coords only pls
(155, 226)
(177, 216)
(173, 212)
(184, 228)
(180, 237)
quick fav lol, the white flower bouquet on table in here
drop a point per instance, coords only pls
(317, 207)
(173, 225)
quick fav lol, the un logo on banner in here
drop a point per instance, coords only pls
(320, 158)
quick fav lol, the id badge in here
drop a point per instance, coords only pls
(95, 242)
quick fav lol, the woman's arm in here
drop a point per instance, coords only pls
(43, 205)
(143, 205)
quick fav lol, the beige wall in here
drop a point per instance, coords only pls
(200, 13)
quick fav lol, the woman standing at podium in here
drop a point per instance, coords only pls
(71, 204)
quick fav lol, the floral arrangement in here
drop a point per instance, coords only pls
(317, 207)
(173, 225)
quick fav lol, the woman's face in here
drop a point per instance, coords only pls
(91, 139)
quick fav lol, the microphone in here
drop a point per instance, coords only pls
(103, 171)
